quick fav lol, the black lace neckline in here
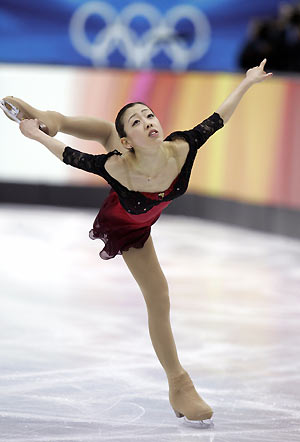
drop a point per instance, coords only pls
(116, 152)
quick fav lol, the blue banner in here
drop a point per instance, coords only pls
(176, 35)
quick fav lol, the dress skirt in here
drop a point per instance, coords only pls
(120, 230)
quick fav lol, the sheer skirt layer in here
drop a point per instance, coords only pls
(120, 230)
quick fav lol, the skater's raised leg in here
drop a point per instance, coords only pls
(88, 128)
(17, 110)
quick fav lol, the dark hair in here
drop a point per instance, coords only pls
(119, 119)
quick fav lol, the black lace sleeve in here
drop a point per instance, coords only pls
(85, 161)
(200, 133)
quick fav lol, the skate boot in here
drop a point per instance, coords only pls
(17, 110)
(187, 403)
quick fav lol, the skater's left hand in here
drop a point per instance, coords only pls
(257, 74)
(30, 128)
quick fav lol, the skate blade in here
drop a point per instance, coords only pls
(204, 425)
(12, 112)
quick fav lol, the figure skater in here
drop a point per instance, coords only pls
(151, 172)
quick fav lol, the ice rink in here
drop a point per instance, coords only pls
(77, 363)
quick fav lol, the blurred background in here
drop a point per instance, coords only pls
(182, 58)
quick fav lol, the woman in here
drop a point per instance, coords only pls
(144, 180)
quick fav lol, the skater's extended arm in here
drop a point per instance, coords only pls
(81, 160)
(199, 134)
(30, 128)
(254, 75)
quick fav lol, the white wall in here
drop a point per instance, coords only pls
(22, 159)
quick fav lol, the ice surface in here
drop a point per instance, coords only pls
(76, 360)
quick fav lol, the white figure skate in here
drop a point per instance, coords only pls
(12, 112)
(203, 424)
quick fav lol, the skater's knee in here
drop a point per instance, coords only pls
(157, 302)
(145, 268)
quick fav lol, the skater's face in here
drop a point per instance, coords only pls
(141, 126)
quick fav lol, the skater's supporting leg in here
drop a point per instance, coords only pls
(145, 268)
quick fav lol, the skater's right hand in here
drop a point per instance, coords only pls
(30, 128)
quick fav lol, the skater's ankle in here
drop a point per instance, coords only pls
(176, 374)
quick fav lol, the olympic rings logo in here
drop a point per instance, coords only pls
(140, 32)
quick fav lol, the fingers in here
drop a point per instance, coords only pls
(29, 119)
(262, 64)
(29, 123)
(22, 123)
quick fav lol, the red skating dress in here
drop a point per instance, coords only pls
(126, 216)
(121, 230)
